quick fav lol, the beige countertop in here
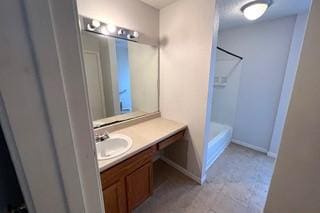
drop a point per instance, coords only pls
(143, 135)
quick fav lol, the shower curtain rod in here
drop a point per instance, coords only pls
(229, 53)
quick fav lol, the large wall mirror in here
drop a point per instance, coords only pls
(122, 78)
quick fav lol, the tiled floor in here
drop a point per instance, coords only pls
(237, 182)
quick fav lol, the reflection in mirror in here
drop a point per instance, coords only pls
(122, 78)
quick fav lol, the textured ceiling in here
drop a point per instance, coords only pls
(231, 16)
(159, 4)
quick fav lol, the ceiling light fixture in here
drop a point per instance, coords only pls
(255, 9)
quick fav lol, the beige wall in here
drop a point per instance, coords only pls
(131, 14)
(186, 33)
(295, 186)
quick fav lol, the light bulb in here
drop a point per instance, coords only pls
(121, 32)
(95, 23)
(104, 30)
(111, 28)
(135, 34)
(90, 28)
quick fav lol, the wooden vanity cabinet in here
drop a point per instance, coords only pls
(114, 197)
(129, 183)
(126, 185)
(139, 185)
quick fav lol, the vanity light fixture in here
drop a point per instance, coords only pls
(129, 36)
(133, 35)
(121, 32)
(95, 23)
(111, 28)
(90, 28)
(107, 29)
(255, 9)
(104, 30)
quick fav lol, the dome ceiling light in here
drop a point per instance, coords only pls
(255, 9)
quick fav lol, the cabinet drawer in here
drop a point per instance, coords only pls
(178, 136)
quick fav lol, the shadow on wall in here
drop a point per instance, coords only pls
(163, 42)
(186, 151)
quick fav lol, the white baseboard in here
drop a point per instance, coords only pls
(272, 154)
(203, 179)
(183, 170)
(250, 146)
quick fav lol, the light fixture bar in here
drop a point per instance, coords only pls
(95, 26)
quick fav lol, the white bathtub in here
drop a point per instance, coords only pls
(220, 138)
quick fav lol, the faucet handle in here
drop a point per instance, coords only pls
(102, 137)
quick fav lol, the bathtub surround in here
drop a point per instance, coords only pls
(220, 137)
(263, 69)
(227, 75)
(185, 57)
(295, 186)
(228, 69)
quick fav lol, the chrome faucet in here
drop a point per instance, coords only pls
(102, 137)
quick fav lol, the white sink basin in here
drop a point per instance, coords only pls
(114, 146)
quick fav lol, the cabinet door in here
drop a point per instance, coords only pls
(139, 185)
(114, 198)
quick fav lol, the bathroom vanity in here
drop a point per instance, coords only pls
(122, 75)
(127, 180)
